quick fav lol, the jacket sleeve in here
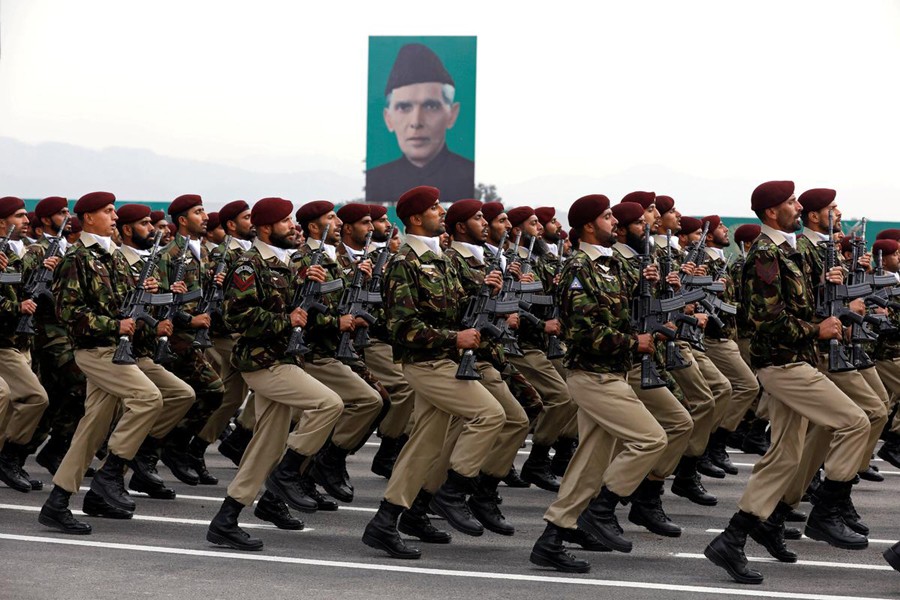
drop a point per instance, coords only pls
(243, 305)
(767, 311)
(72, 302)
(404, 320)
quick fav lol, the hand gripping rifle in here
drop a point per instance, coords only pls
(38, 284)
(361, 335)
(211, 302)
(832, 303)
(309, 297)
(886, 288)
(481, 312)
(9, 278)
(137, 305)
(163, 355)
(514, 290)
(355, 301)
(527, 299)
(711, 304)
(674, 358)
(554, 345)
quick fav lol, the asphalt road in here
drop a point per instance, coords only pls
(163, 553)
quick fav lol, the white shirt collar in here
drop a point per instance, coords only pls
(194, 245)
(63, 243)
(378, 245)
(354, 254)
(552, 249)
(282, 254)
(601, 250)
(330, 250)
(790, 238)
(18, 247)
(433, 243)
(720, 254)
(103, 241)
(140, 252)
(493, 250)
(477, 251)
(244, 244)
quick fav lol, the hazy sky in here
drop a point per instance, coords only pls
(753, 90)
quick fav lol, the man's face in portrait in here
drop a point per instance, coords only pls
(420, 114)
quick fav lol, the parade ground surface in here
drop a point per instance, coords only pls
(163, 553)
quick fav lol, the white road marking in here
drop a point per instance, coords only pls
(871, 541)
(809, 563)
(695, 589)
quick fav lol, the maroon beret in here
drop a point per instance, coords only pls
(353, 212)
(627, 213)
(132, 213)
(492, 210)
(886, 247)
(93, 202)
(573, 236)
(75, 222)
(816, 199)
(377, 211)
(173, 228)
(9, 205)
(664, 204)
(213, 221)
(416, 63)
(562, 234)
(747, 232)
(645, 199)
(888, 234)
(545, 214)
(690, 225)
(461, 211)
(232, 210)
(270, 210)
(312, 210)
(157, 215)
(417, 200)
(770, 194)
(183, 203)
(846, 244)
(713, 220)
(519, 215)
(50, 206)
(586, 209)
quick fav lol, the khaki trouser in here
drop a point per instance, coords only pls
(438, 396)
(107, 386)
(27, 399)
(279, 389)
(361, 403)
(4, 403)
(177, 397)
(247, 419)
(500, 458)
(671, 415)
(889, 372)
(609, 412)
(700, 399)
(235, 388)
(379, 359)
(559, 409)
(799, 393)
(726, 356)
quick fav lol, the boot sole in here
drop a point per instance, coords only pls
(427, 540)
(646, 525)
(716, 559)
(221, 540)
(373, 542)
(23, 487)
(893, 559)
(100, 514)
(52, 524)
(614, 544)
(439, 510)
(820, 536)
(278, 523)
(543, 561)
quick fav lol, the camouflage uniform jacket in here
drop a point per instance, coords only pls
(778, 287)
(543, 265)
(595, 313)
(423, 303)
(197, 274)
(258, 293)
(715, 264)
(813, 250)
(323, 328)
(888, 346)
(89, 292)
(130, 264)
(48, 329)
(230, 255)
(742, 319)
(9, 307)
(347, 265)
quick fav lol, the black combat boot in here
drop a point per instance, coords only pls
(144, 462)
(272, 509)
(717, 453)
(55, 514)
(381, 533)
(536, 469)
(548, 551)
(599, 519)
(109, 483)
(197, 452)
(892, 555)
(22, 455)
(514, 480)
(792, 533)
(584, 539)
(727, 549)
(849, 515)
(235, 443)
(10, 472)
(384, 459)
(329, 469)
(647, 510)
(450, 503)
(770, 534)
(565, 450)
(706, 467)
(795, 516)
(415, 522)
(51, 455)
(871, 474)
(284, 482)
(687, 483)
(756, 441)
(157, 492)
(735, 439)
(323, 502)
(826, 523)
(95, 506)
(225, 531)
(483, 504)
(174, 455)
(890, 449)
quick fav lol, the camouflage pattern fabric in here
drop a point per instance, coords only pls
(323, 333)
(197, 275)
(714, 265)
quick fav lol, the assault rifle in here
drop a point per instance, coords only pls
(163, 356)
(361, 335)
(481, 312)
(9, 278)
(885, 290)
(211, 302)
(519, 292)
(309, 297)
(355, 301)
(529, 299)
(554, 345)
(38, 284)
(674, 358)
(137, 305)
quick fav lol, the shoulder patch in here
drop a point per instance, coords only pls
(576, 284)
(244, 276)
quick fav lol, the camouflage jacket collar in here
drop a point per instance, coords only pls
(423, 247)
(130, 255)
(814, 237)
(715, 254)
(94, 243)
(274, 257)
(780, 239)
(468, 251)
(595, 252)
(330, 251)
(625, 250)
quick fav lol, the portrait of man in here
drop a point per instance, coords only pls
(420, 109)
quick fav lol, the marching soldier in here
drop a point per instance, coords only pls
(215, 232)
(887, 352)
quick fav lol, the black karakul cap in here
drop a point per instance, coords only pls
(416, 63)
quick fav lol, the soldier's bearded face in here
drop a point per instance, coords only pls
(284, 235)
(55, 221)
(360, 229)
(420, 118)
(787, 215)
(243, 227)
(142, 233)
(19, 220)
(196, 221)
(891, 262)
(651, 216)
(551, 230)
(381, 229)
(433, 220)
(720, 236)
(498, 227)
(605, 226)
(671, 221)
(477, 229)
(634, 234)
